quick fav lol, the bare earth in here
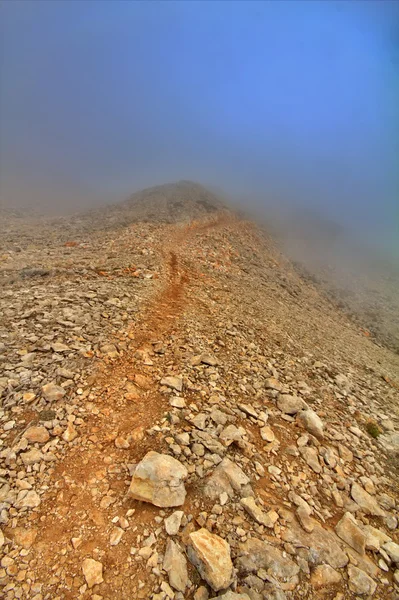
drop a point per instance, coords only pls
(104, 314)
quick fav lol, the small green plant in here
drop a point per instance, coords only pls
(373, 429)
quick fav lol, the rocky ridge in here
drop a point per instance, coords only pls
(182, 416)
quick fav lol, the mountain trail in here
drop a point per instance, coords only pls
(188, 364)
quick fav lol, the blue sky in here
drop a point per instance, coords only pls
(293, 102)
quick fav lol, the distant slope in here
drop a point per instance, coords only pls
(361, 282)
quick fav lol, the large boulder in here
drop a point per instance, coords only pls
(158, 479)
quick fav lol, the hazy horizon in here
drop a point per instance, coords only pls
(276, 103)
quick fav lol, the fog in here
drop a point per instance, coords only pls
(286, 106)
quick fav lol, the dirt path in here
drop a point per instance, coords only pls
(87, 489)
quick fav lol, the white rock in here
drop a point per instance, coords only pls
(290, 405)
(27, 499)
(172, 523)
(311, 422)
(210, 554)
(348, 530)
(360, 582)
(70, 433)
(228, 478)
(367, 503)
(92, 571)
(175, 565)
(257, 513)
(174, 382)
(32, 457)
(177, 402)
(53, 392)
(323, 576)
(158, 479)
(392, 550)
(267, 434)
(116, 536)
(232, 596)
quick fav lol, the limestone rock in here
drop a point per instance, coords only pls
(32, 457)
(37, 434)
(175, 565)
(375, 538)
(360, 582)
(27, 499)
(199, 421)
(92, 571)
(116, 536)
(209, 440)
(248, 410)
(177, 402)
(232, 596)
(323, 576)
(257, 513)
(267, 434)
(227, 477)
(59, 347)
(323, 545)
(392, 549)
(201, 593)
(255, 554)
(70, 433)
(230, 434)
(311, 422)
(367, 503)
(53, 392)
(273, 384)
(311, 457)
(390, 442)
(348, 530)
(290, 405)
(304, 518)
(158, 479)
(121, 443)
(173, 382)
(24, 537)
(208, 359)
(210, 554)
(172, 523)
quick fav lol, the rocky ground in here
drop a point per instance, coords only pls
(184, 416)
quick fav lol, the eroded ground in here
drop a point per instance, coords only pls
(93, 321)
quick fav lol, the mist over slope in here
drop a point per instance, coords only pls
(356, 275)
